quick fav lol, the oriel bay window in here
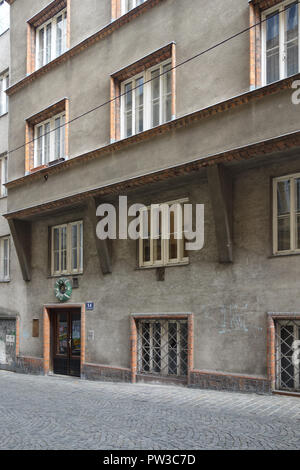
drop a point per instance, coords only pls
(286, 214)
(280, 41)
(67, 248)
(162, 241)
(146, 100)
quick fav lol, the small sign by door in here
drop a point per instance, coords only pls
(89, 305)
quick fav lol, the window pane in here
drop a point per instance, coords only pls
(59, 35)
(291, 39)
(167, 92)
(39, 159)
(284, 233)
(56, 249)
(128, 110)
(272, 47)
(41, 48)
(139, 105)
(63, 248)
(62, 134)
(146, 242)
(5, 258)
(81, 246)
(74, 238)
(57, 138)
(283, 197)
(155, 96)
(48, 42)
(4, 17)
(172, 241)
(283, 208)
(157, 244)
(46, 143)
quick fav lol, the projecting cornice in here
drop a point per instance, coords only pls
(285, 142)
(180, 122)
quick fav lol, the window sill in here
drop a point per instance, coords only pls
(4, 281)
(142, 268)
(280, 255)
(57, 276)
(4, 114)
(3, 197)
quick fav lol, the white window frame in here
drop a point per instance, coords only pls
(3, 175)
(69, 269)
(51, 135)
(6, 8)
(4, 277)
(53, 25)
(147, 105)
(4, 84)
(165, 258)
(280, 7)
(135, 3)
(293, 213)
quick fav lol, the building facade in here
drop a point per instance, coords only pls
(161, 101)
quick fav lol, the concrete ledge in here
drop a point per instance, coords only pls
(232, 382)
(105, 373)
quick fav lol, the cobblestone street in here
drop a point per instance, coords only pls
(64, 413)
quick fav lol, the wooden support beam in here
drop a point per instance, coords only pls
(21, 234)
(102, 246)
(220, 188)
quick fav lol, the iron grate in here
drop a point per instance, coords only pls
(288, 355)
(163, 347)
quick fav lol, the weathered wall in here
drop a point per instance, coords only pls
(229, 301)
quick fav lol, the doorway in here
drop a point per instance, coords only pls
(66, 342)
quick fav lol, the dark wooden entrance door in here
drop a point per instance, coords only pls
(67, 342)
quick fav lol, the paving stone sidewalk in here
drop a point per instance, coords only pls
(64, 413)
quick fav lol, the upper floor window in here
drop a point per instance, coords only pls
(4, 259)
(281, 35)
(49, 140)
(146, 100)
(3, 176)
(128, 5)
(51, 39)
(67, 248)
(286, 214)
(162, 226)
(4, 82)
(4, 16)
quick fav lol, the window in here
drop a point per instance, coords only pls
(67, 248)
(3, 176)
(4, 16)
(162, 227)
(280, 42)
(146, 100)
(4, 259)
(286, 208)
(49, 140)
(128, 5)
(4, 82)
(162, 347)
(51, 39)
(287, 334)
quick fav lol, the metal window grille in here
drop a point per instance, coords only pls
(163, 347)
(288, 355)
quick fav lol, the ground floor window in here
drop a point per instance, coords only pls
(4, 259)
(163, 347)
(288, 355)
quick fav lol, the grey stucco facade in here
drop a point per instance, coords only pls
(229, 301)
